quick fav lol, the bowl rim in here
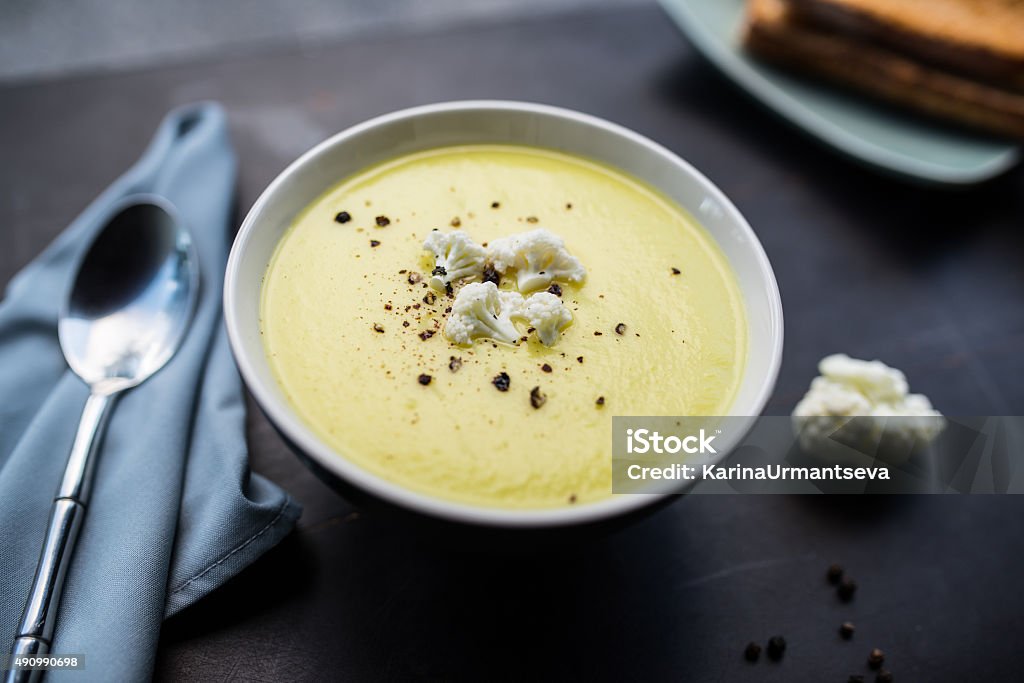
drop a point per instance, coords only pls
(286, 419)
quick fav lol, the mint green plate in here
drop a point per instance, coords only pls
(904, 144)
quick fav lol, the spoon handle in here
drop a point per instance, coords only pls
(35, 632)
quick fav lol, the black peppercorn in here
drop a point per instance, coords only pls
(424, 379)
(846, 630)
(555, 289)
(537, 399)
(875, 658)
(834, 573)
(620, 329)
(752, 653)
(884, 676)
(343, 217)
(776, 647)
(501, 381)
(382, 221)
(846, 589)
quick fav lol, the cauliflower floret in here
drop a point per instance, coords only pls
(863, 407)
(456, 256)
(481, 311)
(875, 380)
(546, 313)
(538, 257)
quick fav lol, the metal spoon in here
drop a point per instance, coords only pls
(125, 316)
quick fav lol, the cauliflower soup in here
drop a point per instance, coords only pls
(466, 321)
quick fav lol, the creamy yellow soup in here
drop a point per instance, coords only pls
(659, 325)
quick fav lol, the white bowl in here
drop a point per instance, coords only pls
(455, 123)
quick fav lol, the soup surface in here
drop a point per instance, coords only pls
(659, 326)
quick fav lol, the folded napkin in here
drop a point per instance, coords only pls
(174, 510)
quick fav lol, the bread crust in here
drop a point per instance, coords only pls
(774, 33)
(981, 38)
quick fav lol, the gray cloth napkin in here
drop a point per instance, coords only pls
(175, 511)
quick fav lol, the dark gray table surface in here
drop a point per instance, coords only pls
(929, 281)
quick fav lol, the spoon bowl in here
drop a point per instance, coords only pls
(129, 306)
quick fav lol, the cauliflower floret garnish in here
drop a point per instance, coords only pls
(538, 258)
(863, 407)
(546, 313)
(456, 256)
(482, 311)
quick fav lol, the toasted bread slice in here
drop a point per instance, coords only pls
(775, 33)
(981, 38)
